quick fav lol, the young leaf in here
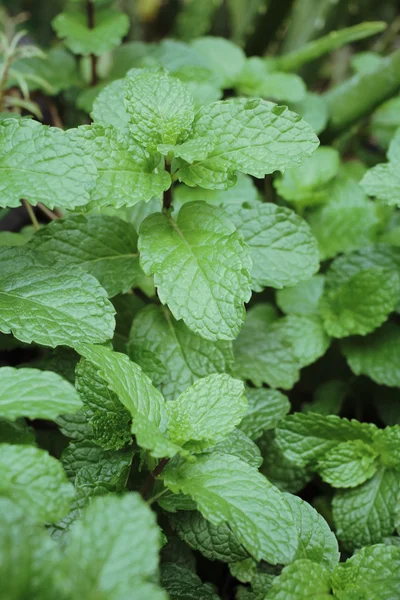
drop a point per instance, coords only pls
(201, 268)
(387, 444)
(123, 558)
(251, 136)
(302, 579)
(266, 408)
(316, 541)
(109, 106)
(107, 416)
(180, 582)
(373, 573)
(366, 514)
(283, 248)
(126, 172)
(226, 490)
(35, 482)
(35, 394)
(376, 355)
(42, 164)
(110, 27)
(207, 411)
(160, 109)
(101, 245)
(349, 464)
(305, 438)
(303, 298)
(136, 392)
(215, 542)
(51, 305)
(171, 354)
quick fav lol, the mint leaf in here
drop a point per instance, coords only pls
(108, 565)
(35, 394)
(359, 303)
(188, 258)
(101, 245)
(136, 392)
(306, 336)
(256, 79)
(42, 164)
(303, 298)
(382, 180)
(215, 542)
(71, 303)
(181, 583)
(85, 460)
(207, 411)
(265, 409)
(160, 109)
(283, 248)
(226, 490)
(376, 355)
(126, 172)
(171, 354)
(251, 136)
(305, 438)
(371, 573)
(316, 541)
(314, 110)
(238, 444)
(109, 106)
(108, 418)
(300, 580)
(309, 184)
(386, 443)
(263, 352)
(35, 482)
(366, 514)
(222, 56)
(110, 27)
(349, 464)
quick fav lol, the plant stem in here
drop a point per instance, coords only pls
(167, 198)
(31, 214)
(93, 58)
(49, 213)
(148, 484)
(3, 81)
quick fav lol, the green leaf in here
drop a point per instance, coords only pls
(35, 482)
(109, 419)
(183, 584)
(305, 438)
(349, 464)
(385, 121)
(303, 298)
(136, 392)
(160, 109)
(371, 574)
(306, 335)
(171, 354)
(42, 164)
(256, 79)
(72, 304)
(16, 432)
(387, 444)
(251, 136)
(207, 411)
(109, 106)
(238, 444)
(35, 394)
(347, 222)
(324, 45)
(223, 57)
(84, 460)
(215, 542)
(194, 19)
(263, 352)
(302, 580)
(279, 470)
(358, 303)
(226, 490)
(314, 110)
(109, 29)
(376, 355)
(283, 248)
(316, 540)
(328, 398)
(29, 559)
(266, 408)
(126, 172)
(366, 514)
(101, 245)
(201, 268)
(309, 184)
(123, 558)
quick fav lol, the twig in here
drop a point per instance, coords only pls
(93, 58)
(55, 115)
(49, 213)
(148, 484)
(31, 214)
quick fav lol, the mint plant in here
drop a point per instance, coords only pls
(198, 307)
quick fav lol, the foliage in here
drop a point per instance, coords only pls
(199, 328)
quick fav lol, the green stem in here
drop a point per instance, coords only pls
(31, 214)
(93, 58)
(3, 80)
